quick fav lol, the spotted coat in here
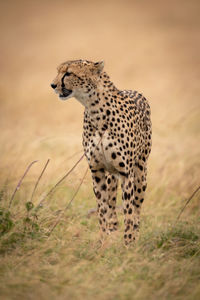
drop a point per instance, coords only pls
(116, 140)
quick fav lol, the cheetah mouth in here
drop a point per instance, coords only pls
(65, 94)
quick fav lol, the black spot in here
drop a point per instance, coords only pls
(104, 187)
(97, 179)
(121, 164)
(98, 195)
(127, 228)
(113, 155)
(107, 112)
(105, 127)
(133, 202)
(140, 167)
(144, 187)
(123, 174)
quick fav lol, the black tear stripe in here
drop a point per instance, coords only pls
(62, 80)
(66, 74)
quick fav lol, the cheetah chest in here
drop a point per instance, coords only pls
(100, 152)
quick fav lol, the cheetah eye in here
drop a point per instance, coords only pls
(68, 74)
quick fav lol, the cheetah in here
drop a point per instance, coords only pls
(116, 140)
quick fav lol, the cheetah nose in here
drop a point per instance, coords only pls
(53, 86)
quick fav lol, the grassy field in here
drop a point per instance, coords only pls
(150, 46)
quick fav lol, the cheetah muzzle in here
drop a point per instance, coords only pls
(116, 140)
(65, 93)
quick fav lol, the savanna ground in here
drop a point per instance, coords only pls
(151, 46)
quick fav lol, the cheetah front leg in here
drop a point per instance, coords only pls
(133, 190)
(111, 215)
(105, 189)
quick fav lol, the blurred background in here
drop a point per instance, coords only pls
(149, 46)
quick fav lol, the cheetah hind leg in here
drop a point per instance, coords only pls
(133, 190)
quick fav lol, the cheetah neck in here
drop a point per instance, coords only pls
(103, 88)
(100, 103)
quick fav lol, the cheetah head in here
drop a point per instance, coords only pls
(77, 78)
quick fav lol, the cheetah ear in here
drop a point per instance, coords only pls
(99, 66)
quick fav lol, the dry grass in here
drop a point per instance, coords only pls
(149, 46)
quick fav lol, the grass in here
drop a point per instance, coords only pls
(72, 263)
